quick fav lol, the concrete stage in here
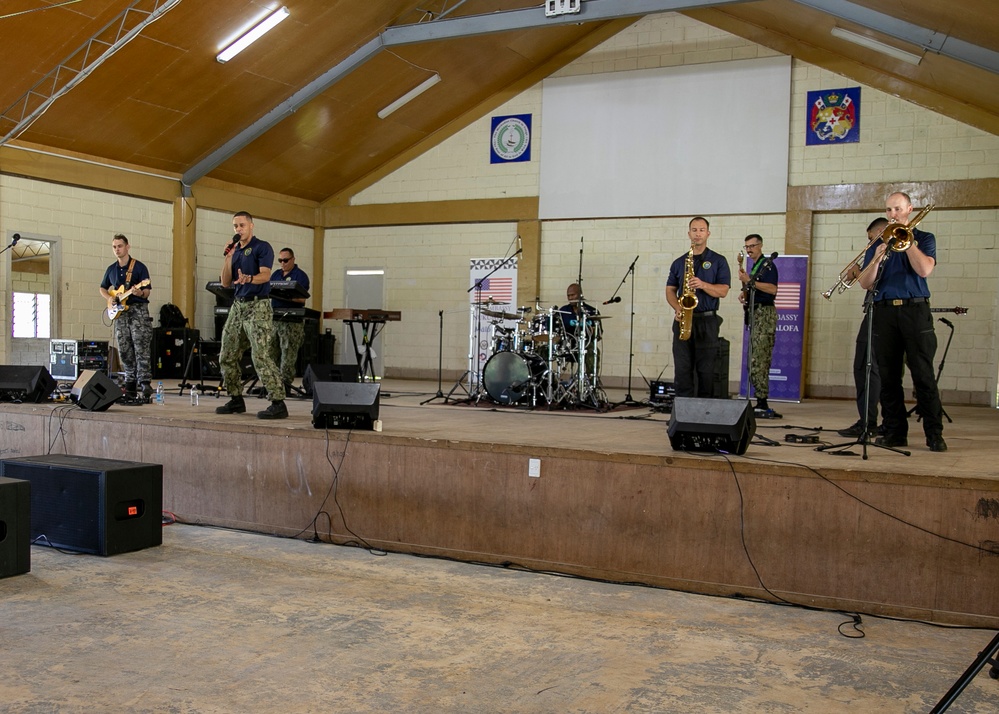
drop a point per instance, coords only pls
(914, 536)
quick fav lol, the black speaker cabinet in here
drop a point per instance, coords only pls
(25, 384)
(15, 527)
(95, 391)
(344, 405)
(91, 505)
(698, 424)
(172, 351)
(328, 373)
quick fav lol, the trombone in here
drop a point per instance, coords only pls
(897, 236)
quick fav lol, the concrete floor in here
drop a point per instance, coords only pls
(224, 621)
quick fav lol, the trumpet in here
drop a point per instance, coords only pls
(896, 236)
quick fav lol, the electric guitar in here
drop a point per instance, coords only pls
(120, 295)
(744, 290)
(955, 310)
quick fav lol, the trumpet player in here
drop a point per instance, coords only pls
(903, 327)
(694, 358)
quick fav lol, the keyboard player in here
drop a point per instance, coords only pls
(288, 334)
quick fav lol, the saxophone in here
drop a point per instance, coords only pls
(688, 301)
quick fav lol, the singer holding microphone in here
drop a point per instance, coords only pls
(246, 266)
(762, 278)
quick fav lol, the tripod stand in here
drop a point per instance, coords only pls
(440, 360)
(986, 656)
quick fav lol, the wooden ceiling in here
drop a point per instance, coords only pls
(163, 103)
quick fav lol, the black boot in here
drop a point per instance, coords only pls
(235, 405)
(277, 410)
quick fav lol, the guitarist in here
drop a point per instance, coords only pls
(764, 276)
(133, 328)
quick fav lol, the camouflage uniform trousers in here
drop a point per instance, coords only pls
(250, 325)
(133, 331)
(764, 329)
(288, 339)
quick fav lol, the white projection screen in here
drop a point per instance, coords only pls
(704, 139)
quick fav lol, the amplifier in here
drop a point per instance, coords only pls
(15, 527)
(91, 505)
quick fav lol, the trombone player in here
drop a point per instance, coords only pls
(903, 325)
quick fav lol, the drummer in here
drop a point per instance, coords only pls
(573, 323)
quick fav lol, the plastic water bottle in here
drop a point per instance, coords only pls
(159, 394)
(194, 395)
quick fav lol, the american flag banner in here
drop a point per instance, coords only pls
(498, 290)
(788, 296)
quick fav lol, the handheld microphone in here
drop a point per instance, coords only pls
(228, 248)
(616, 298)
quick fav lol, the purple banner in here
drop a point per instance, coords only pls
(789, 343)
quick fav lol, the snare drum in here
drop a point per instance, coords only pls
(509, 377)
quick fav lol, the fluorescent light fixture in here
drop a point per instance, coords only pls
(254, 34)
(410, 95)
(876, 45)
(365, 272)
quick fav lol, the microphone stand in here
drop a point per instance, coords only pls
(628, 399)
(440, 360)
(865, 436)
(751, 306)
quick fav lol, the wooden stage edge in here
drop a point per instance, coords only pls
(914, 537)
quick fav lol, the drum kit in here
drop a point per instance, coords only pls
(541, 360)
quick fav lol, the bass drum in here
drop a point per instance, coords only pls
(509, 376)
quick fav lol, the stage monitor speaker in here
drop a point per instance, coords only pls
(25, 384)
(95, 391)
(15, 527)
(700, 424)
(328, 373)
(344, 405)
(91, 505)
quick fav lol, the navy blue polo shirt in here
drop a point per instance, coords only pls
(256, 255)
(709, 266)
(296, 274)
(898, 280)
(114, 277)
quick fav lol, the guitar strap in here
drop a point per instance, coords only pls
(128, 275)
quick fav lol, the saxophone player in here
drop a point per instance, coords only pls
(704, 274)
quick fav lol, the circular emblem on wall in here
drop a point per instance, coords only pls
(511, 137)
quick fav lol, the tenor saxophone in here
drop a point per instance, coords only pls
(688, 300)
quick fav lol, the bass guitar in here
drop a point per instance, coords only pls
(955, 310)
(120, 295)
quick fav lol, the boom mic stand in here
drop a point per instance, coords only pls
(628, 399)
(473, 357)
(751, 306)
(14, 239)
(865, 436)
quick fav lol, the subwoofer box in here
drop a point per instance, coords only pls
(95, 391)
(91, 505)
(699, 424)
(15, 527)
(344, 405)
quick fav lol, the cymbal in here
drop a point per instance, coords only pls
(500, 314)
(599, 317)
